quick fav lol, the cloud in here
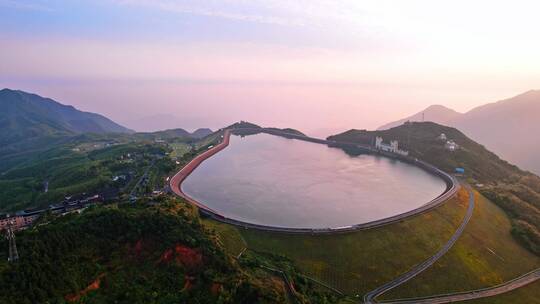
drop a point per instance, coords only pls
(210, 9)
(343, 23)
(25, 5)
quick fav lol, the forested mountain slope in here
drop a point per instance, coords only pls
(515, 190)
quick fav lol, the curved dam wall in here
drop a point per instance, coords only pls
(178, 178)
(452, 185)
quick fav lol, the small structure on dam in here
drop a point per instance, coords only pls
(393, 147)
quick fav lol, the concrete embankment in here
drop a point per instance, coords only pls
(178, 178)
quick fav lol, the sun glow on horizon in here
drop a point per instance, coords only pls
(395, 56)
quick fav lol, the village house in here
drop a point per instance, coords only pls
(17, 221)
(451, 145)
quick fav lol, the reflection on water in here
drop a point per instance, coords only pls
(269, 180)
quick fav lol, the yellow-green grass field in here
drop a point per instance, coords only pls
(357, 262)
(529, 294)
(179, 149)
(485, 255)
(228, 235)
(208, 140)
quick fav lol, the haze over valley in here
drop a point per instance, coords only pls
(346, 65)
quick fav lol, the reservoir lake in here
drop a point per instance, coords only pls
(270, 180)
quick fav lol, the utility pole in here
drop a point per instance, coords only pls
(13, 254)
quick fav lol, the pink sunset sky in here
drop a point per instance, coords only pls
(319, 66)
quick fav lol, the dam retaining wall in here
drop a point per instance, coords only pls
(452, 184)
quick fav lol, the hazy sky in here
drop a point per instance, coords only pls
(317, 65)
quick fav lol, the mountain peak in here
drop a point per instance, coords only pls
(504, 126)
(531, 92)
(438, 107)
(4, 90)
(7, 91)
(437, 113)
(201, 132)
(531, 95)
(26, 116)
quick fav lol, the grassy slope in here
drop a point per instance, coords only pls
(485, 255)
(228, 235)
(357, 262)
(516, 191)
(179, 149)
(529, 294)
(211, 139)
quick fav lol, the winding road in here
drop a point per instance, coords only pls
(516, 283)
(451, 297)
(370, 296)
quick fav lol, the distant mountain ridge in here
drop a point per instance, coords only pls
(201, 132)
(25, 116)
(507, 127)
(178, 132)
(436, 113)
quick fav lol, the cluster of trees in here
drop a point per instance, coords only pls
(69, 172)
(124, 247)
(520, 198)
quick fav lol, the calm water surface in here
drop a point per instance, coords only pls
(270, 180)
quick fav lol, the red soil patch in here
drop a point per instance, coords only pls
(190, 258)
(215, 289)
(166, 257)
(93, 286)
(188, 284)
(138, 247)
(141, 249)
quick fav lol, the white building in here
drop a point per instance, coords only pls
(393, 147)
(451, 145)
(442, 137)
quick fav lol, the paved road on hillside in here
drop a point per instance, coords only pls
(519, 282)
(370, 296)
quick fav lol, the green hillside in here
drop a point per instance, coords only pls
(178, 133)
(82, 165)
(514, 190)
(360, 261)
(140, 254)
(31, 124)
(26, 115)
(485, 255)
